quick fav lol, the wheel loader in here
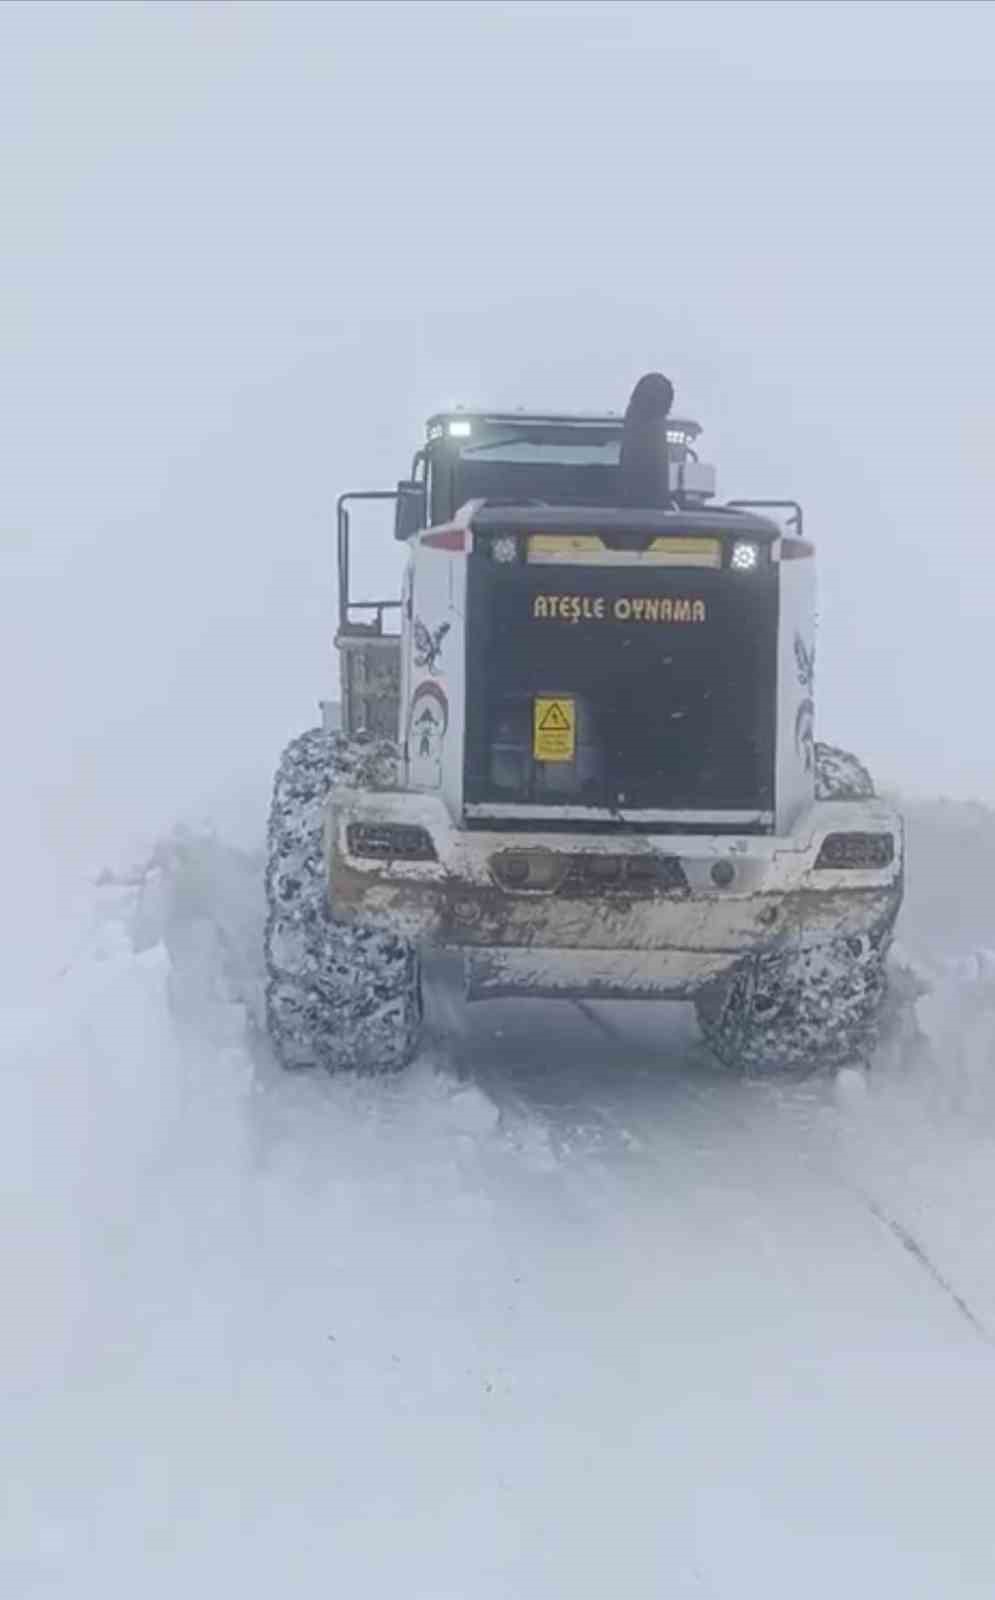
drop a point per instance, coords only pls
(577, 752)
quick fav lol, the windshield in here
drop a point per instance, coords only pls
(568, 452)
(565, 466)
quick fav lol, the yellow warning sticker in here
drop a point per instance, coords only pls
(554, 729)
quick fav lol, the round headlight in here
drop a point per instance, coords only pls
(745, 555)
(505, 548)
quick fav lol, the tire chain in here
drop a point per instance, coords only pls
(336, 995)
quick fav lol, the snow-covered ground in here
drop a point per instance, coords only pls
(563, 1311)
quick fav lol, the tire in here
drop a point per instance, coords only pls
(338, 996)
(803, 1009)
(800, 1009)
(840, 776)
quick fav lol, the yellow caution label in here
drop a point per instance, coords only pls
(554, 730)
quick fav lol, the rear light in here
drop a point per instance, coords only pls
(389, 841)
(446, 539)
(853, 851)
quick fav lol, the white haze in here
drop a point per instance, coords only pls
(246, 249)
(564, 1310)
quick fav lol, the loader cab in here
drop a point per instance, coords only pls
(535, 458)
(575, 562)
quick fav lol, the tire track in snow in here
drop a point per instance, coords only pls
(784, 1099)
(912, 1246)
(211, 889)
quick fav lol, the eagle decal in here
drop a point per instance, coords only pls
(805, 716)
(428, 644)
(805, 662)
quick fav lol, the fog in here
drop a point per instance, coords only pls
(246, 250)
(280, 1327)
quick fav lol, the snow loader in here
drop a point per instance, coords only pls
(578, 753)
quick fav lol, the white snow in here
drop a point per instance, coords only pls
(562, 1311)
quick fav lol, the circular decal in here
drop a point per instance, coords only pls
(427, 723)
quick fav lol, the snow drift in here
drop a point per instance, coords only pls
(563, 1308)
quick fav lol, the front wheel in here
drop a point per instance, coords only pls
(797, 1010)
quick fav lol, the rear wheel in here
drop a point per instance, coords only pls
(337, 996)
(799, 1009)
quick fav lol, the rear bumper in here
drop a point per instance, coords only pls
(657, 942)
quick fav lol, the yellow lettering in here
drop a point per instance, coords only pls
(626, 608)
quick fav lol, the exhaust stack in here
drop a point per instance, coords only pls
(645, 459)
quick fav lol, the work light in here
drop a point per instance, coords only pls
(745, 555)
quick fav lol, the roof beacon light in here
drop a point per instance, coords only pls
(460, 430)
(745, 555)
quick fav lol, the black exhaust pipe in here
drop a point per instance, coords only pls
(645, 459)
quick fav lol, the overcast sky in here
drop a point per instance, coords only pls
(246, 248)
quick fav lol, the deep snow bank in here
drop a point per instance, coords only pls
(949, 909)
(920, 1134)
(562, 1309)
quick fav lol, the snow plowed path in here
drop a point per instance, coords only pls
(562, 1310)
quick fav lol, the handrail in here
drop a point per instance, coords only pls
(342, 525)
(776, 505)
